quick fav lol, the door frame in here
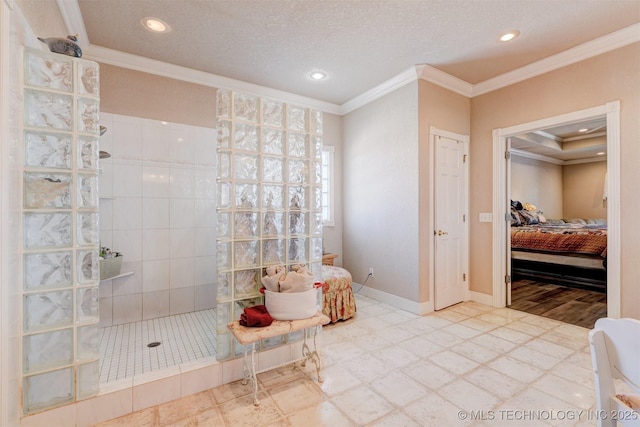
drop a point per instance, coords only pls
(612, 112)
(433, 133)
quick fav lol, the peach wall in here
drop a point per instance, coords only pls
(445, 110)
(583, 187)
(608, 77)
(537, 182)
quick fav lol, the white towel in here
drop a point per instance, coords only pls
(299, 279)
(271, 281)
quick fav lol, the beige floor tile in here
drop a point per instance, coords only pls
(366, 368)
(421, 346)
(452, 316)
(398, 388)
(475, 352)
(372, 324)
(434, 322)
(534, 358)
(526, 328)
(516, 369)
(337, 379)
(468, 309)
(573, 372)
(145, 418)
(494, 318)
(395, 356)
(282, 375)
(362, 405)
(429, 374)
(346, 350)
(494, 382)
(208, 418)
(575, 394)
(320, 415)
(241, 412)
(443, 338)
(478, 324)
(464, 394)
(571, 342)
(395, 419)
(494, 343)
(509, 313)
(553, 350)
(231, 391)
(371, 342)
(433, 410)
(461, 331)
(541, 322)
(296, 395)
(453, 362)
(511, 335)
(395, 334)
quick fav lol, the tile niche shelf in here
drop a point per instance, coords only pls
(128, 273)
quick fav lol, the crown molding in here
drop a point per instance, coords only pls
(70, 11)
(151, 66)
(407, 76)
(579, 53)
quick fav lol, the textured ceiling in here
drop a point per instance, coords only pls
(359, 43)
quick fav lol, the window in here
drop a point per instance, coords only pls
(327, 186)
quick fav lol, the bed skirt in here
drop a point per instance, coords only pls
(338, 302)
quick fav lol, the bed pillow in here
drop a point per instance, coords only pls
(555, 221)
(576, 221)
(529, 217)
(516, 219)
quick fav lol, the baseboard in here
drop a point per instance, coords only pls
(481, 298)
(414, 307)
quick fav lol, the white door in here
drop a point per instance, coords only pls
(451, 221)
(507, 279)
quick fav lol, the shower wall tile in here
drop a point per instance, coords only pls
(163, 211)
(182, 300)
(106, 311)
(155, 276)
(205, 296)
(127, 308)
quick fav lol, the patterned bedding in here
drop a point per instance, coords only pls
(561, 239)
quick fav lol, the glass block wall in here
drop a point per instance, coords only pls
(60, 228)
(269, 201)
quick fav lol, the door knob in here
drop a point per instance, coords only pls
(442, 233)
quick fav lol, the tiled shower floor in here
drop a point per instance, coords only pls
(124, 350)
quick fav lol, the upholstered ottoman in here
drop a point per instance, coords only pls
(338, 302)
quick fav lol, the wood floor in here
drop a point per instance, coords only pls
(571, 305)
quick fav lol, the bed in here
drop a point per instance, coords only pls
(571, 253)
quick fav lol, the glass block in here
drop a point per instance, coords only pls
(48, 150)
(224, 195)
(47, 230)
(272, 196)
(297, 198)
(48, 71)
(224, 133)
(273, 224)
(47, 350)
(245, 283)
(245, 107)
(297, 171)
(47, 270)
(245, 137)
(316, 173)
(272, 113)
(272, 141)
(316, 269)
(45, 190)
(297, 249)
(315, 146)
(88, 266)
(47, 310)
(224, 225)
(245, 167)
(245, 225)
(88, 342)
(223, 345)
(48, 110)
(298, 223)
(315, 224)
(316, 249)
(88, 153)
(297, 144)
(87, 191)
(273, 251)
(47, 390)
(223, 104)
(272, 169)
(224, 165)
(246, 196)
(224, 255)
(88, 308)
(245, 254)
(315, 122)
(297, 118)
(89, 74)
(88, 232)
(224, 286)
(316, 198)
(88, 379)
(223, 316)
(88, 112)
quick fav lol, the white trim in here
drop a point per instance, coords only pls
(535, 156)
(447, 81)
(579, 53)
(414, 307)
(433, 132)
(500, 209)
(330, 149)
(407, 76)
(481, 298)
(72, 16)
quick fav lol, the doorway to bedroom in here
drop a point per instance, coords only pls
(558, 258)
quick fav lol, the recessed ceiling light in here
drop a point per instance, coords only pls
(600, 153)
(317, 75)
(509, 35)
(156, 25)
(583, 130)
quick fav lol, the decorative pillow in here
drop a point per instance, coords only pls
(516, 220)
(529, 217)
(516, 205)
